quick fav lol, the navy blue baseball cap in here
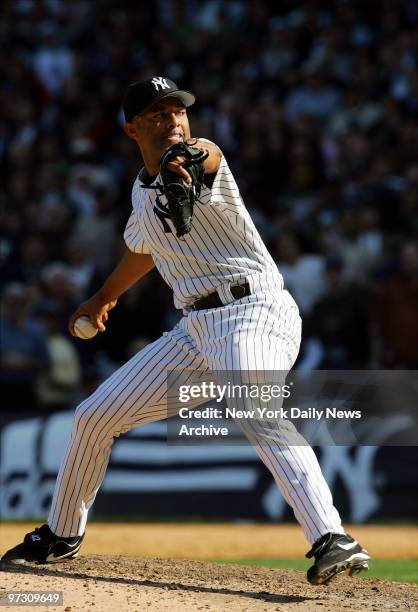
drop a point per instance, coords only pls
(142, 94)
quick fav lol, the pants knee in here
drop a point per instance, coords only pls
(102, 418)
(84, 415)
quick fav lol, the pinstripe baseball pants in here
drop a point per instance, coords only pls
(260, 332)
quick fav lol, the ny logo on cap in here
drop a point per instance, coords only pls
(160, 82)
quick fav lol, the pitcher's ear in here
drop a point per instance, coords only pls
(130, 130)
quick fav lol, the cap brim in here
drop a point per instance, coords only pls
(185, 96)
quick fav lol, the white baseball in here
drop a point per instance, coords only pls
(84, 329)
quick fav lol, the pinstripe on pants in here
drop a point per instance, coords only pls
(259, 333)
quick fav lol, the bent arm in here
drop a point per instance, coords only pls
(212, 162)
(131, 268)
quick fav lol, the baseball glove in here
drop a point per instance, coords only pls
(181, 196)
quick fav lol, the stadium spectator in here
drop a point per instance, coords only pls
(303, 273)
(396, 311)
(23, 350)
(317, 113)
(57, 387)
(338, 327)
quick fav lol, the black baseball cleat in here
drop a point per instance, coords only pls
(335, 553)
(42, 546)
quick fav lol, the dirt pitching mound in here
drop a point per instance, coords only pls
(114, 583)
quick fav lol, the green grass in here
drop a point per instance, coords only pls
(400, 570)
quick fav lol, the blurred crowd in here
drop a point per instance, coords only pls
(315, 105)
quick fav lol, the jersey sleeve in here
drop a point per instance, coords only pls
(133, 237)
(221, 189)
(224, 189)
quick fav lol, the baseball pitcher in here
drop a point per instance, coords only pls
(189, 221)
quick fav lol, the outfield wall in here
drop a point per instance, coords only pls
(148, 477)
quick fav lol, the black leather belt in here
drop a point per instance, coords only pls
(214, 301)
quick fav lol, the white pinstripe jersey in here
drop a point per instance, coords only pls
(223, 246)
